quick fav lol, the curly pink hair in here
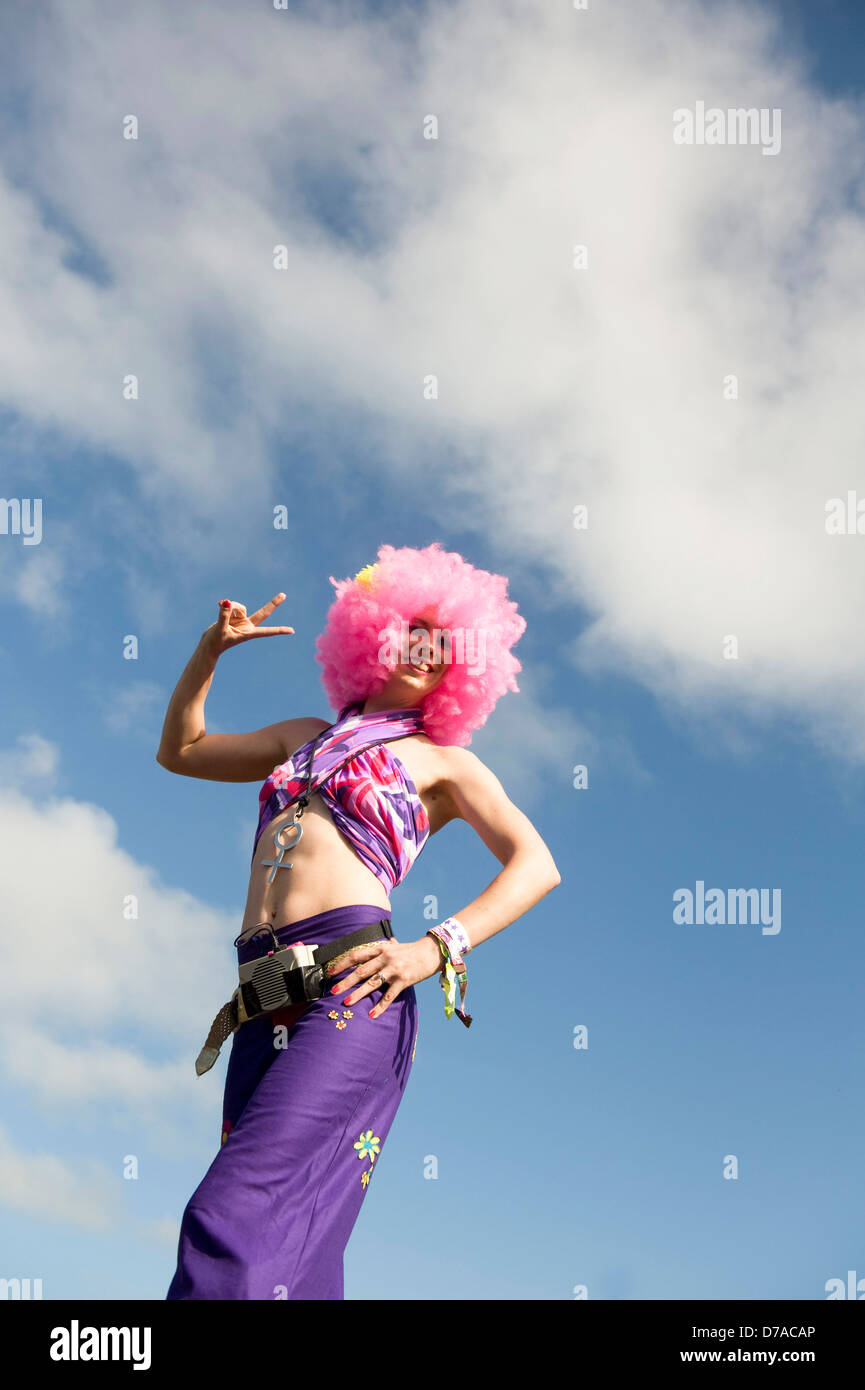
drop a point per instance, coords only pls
(405, 584)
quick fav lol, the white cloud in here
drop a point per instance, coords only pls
(35, 760)
(51, 1189)
(454, 257)
(37, 581)
(83, 1192)
(101, 1011)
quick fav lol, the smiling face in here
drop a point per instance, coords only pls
(411, 681)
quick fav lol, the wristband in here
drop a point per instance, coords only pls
(452, 965)
(454, 934)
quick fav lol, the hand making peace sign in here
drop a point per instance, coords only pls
(233, 626)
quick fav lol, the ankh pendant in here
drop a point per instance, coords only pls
(281, 862)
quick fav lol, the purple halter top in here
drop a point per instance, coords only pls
(372, 798)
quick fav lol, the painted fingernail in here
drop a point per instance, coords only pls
(335, 989)
(346, 1000)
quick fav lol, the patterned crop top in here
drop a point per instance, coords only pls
(371, 797)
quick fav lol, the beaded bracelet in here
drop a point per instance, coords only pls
(448, 934)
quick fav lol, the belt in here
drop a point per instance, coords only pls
(284, 975)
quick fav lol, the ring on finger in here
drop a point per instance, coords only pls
(368, 981)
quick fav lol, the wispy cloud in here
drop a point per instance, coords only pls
(50, 1188)
(533, 746)
(34, 760)
(163, 1231)
(132, 705)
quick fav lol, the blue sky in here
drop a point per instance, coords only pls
(599, 1167)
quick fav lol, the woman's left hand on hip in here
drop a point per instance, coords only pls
(400, 963)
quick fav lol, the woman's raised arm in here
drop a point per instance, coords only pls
(187, 748)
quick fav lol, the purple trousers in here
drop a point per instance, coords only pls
(310, 1095)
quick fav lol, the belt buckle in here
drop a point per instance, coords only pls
(238, 1009)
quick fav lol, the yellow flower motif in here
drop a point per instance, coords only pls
(347, 1013)
(364, 576)
(368, 1143)
(340, 1023)
(364, 1177)
(333, 1014)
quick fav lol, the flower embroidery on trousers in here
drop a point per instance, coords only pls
(368, 1144)
(340, 1022)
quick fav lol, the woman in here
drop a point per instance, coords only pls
(416, 652)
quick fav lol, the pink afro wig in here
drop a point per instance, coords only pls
(405, 584)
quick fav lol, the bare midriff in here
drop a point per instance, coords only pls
(326, 872)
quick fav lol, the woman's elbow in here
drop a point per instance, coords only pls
(545, 873)
(551, 872)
